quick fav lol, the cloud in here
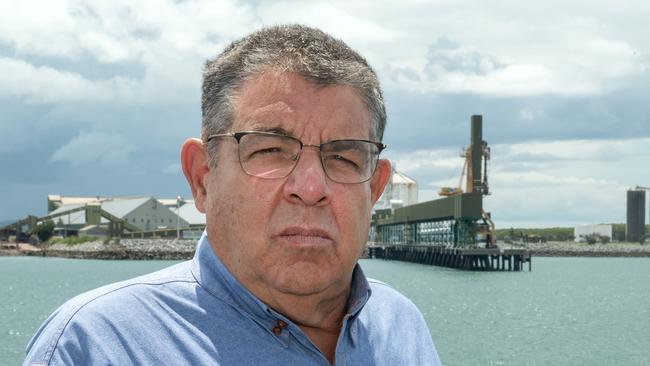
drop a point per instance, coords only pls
(579, 151)
(454, 68)
(168, 40)
(562, 88)
(332, 18)
(21, 80)
(572, 181)
(93, 147)
(424, 121)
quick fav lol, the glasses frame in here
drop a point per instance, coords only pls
(238, 136)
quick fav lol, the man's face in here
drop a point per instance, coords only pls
(301, 234)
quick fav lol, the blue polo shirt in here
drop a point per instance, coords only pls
(197, 313)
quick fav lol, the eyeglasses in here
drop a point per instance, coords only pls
(272, 156)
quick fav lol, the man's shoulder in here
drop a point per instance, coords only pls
(385, 294)
(89, 312)
(123, 290)
(388, 306)
(394, 322)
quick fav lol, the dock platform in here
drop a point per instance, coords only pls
(472, 259)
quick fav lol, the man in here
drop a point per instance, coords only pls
(287, 172)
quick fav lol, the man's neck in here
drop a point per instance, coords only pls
(320, 320)
(319, 316)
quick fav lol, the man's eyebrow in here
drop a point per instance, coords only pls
(273, 129)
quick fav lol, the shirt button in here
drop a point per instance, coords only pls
(277, 330)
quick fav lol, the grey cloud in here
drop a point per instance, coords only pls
(421, 121)
(89, 68)
(449, 56)
(95, 147)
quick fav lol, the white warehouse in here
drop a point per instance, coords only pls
(581, 231)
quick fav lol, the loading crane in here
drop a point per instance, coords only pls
(476, 157)
(471, 184)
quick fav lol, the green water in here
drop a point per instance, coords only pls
(568, 311)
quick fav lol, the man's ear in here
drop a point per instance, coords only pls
(196, 168)
(380, 179)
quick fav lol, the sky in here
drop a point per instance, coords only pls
(96, 98)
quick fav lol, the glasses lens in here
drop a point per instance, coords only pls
(268, 156)
(349, 161)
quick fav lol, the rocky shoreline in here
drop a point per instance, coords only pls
(172, 249)
(140, 249)
(571, 249)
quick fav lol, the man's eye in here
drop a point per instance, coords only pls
(343, 160)
(268, 150)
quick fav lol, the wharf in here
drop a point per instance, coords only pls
(473, 259)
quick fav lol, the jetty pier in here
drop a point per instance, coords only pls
(471, 259)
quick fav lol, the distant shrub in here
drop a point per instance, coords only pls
(73, 240)
(594, 238)
(541, 234)
(591, 239)
(44, 230)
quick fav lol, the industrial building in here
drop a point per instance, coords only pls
(581, 232)
(400, 191)
(117, 216)
(452, 231)
(144, 213)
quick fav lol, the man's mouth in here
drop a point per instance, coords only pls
(305, 236)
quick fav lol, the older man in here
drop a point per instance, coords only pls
(287, 172)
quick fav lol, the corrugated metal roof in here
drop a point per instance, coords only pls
(122, 207)
(189, 213)
(68, 200)
(171, 202)
(74, 218)
(67, 207)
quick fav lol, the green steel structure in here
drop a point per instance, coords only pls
(452, 231)
(454, 221)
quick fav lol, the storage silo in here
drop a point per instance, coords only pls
(400, 191)
(635, 228)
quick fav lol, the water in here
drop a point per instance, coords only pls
(568, 311)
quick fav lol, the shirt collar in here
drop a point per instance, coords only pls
(214, 277)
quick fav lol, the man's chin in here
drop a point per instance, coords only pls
(307, 279)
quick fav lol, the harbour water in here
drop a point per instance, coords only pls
(567, 311)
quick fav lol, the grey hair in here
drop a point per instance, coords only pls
(308, 52)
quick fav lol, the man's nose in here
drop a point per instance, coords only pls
(307, 183)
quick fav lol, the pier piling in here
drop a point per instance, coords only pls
(472, 259)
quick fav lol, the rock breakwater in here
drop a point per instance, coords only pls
(570, 249)
(171, 249)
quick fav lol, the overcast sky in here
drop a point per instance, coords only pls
(97, 97)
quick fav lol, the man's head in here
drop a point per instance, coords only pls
(308, 52)
(299, 233)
